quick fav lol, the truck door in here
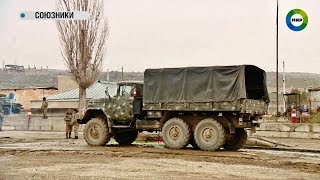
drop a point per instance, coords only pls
(120, 107)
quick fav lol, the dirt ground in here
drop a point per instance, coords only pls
(47, 155)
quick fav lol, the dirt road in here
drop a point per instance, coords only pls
(46, 155)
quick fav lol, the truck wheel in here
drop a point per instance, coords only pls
(126, 138)
(237, 140)
(16, 111)
(209, 134)
(175, 133)
(6, 110)
(96, 132)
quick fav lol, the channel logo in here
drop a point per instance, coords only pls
(297, 20)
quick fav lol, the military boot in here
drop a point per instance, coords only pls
(67, 136)
(76, 137)
(70, 135)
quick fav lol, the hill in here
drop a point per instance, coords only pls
(293, 80)
(48, 78)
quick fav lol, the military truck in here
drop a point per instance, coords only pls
(207, 107)
(6, 106)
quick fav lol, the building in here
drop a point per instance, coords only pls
(314, 99)
(27, 87)
(29, 84)
(58, 103)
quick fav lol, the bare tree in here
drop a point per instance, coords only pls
(83, 43)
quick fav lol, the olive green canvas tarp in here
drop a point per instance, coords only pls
(204, 84)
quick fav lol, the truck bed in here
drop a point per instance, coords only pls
(244, 106)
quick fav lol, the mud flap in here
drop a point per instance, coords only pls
(232, 128)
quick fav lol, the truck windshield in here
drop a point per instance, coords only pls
(125, 90)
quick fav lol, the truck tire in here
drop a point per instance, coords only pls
(126, 138)
(16, 111)
(96, 132)
(176, 133)
(209, 134)
(6, 110)
(237, 140)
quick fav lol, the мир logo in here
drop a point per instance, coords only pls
(297, 20)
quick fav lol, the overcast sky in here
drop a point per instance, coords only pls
(172, 33)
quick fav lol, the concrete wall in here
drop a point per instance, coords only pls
(50, 124)
(20, 122)
(297, 130)
(24, 96)
(55, 107)
(56, 104)
(66, 83)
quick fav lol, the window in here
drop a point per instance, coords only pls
(125, 90)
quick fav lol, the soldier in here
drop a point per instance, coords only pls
(44, 108)
(74, 122)
(68, 118)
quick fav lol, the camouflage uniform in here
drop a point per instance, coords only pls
(68, 117)
(44, 108)
(75, 124)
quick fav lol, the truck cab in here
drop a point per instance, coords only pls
(118, 108)
(7, 107)
(114, 117)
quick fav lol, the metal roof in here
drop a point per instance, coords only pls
(95, 91)
(21, 81)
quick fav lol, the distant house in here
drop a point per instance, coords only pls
(28, 84)
(14, 68)
(58, 103)
(27, 87)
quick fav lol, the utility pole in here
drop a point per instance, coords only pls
(277, 58)
(284, 88)
(121, 73)
(108, 76)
